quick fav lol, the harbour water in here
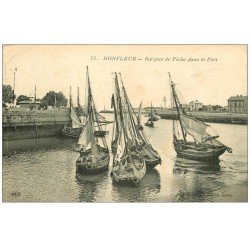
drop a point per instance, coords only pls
(43, 170)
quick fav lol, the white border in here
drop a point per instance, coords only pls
(124, 226)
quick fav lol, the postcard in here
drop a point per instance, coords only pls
(124, 123)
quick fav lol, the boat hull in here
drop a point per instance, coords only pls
(87, 167)
(123, 176)
(72, 132)
(151, 157)
(150, 164)
(209, 156)
(151, 125)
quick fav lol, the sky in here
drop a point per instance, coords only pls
(222, 73)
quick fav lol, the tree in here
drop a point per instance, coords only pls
(22, 98)
(204, 108)
(217, 107)
(54, 99)
(8, 94)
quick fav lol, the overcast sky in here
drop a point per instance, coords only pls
(56, 67)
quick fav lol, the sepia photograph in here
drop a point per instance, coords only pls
(124, 123)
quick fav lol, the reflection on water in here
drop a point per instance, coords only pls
(146, 190)
(90, 185)
(196, 188)
(43, 170)
(185, 165)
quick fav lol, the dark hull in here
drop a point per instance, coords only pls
(153, 163)
(151, 156)
(87, 167)
(72, 132)
(149, 125)
(84, 170)
(124, 182)
(120, 175)
(209, 156)
(75, 132)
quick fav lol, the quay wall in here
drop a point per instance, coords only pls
(26, 124)
(213, 117)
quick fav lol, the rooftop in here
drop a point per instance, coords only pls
(29, 102)
(237, 98)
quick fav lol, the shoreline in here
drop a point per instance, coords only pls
(24, 124)
(213, 117)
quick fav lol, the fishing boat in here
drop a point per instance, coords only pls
(141, 142)
(128, 164)
(150, 122)
(201, 146)
(94, 154)
(152, 116)
(150, 155)
(74, 128)
(77, 121)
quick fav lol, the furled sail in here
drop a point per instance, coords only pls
(195, 128)
(75, 121)
(120, 147)
(96, 155)
(85, 136)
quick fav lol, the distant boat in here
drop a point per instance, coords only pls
(150, 155)
(128, 164)
(152, 115)
(75, 127)
(94, 154)
(204, 147)
(77, 122)
(150, 122)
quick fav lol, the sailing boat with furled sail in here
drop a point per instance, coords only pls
(149, 154)
(78, 119)
(204, 147)
(75, 126)
(128, 163)
(94, 153)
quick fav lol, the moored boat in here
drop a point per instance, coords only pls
(149, 154)
(74, 128)
(130, 169)
(149, 124)
(78, 119)
(203, 147)
(94, 154)
(128, 164)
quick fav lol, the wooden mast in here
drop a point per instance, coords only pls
(177, 107)
(93, 109)
(136, 132)
(121, 115)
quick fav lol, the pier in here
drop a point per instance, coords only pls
(25, 124)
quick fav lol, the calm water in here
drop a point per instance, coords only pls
(43, 170)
